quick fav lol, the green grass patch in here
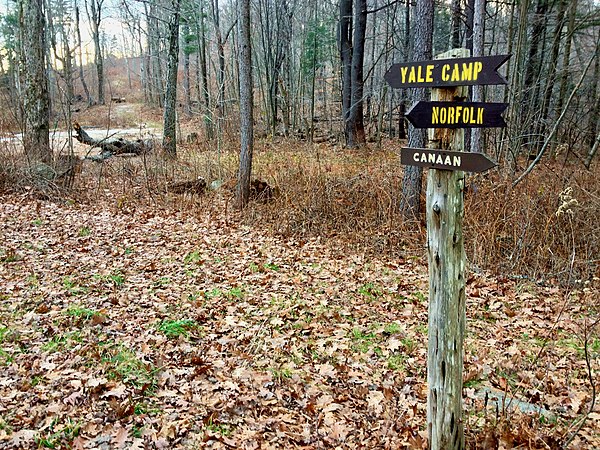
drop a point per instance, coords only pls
(9, 255)
(193, 258)
(81, 312)
(370, 291)
(115, 279)
(281, 373)
(396, 362)
(122, 364)
(72, 287)
(59, 435)
(64, 341)
(272, 266)
(84, 231)
(177, 328)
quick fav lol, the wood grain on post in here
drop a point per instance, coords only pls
(446, 256)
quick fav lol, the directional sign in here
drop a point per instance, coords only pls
(456, 115)
(443, 159)
(447, 72)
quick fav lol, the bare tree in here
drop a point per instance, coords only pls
(170, 109)
(36, 107)
(94, 13)
(422, 49)
(246, 105)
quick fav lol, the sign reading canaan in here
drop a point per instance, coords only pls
(442, 159)
(447, 72)
(456, 115)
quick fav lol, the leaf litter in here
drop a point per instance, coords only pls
(170, 329)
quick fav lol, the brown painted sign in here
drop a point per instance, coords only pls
(447, 72)
(457, 115)
(446, 160)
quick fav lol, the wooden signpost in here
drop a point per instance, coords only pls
(450, 73)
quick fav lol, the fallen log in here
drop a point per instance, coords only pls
(111, 147)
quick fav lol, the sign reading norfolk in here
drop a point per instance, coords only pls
(446, 160)
(481, 70)
(457, 115)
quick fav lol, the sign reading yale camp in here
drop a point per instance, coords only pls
(447, 72)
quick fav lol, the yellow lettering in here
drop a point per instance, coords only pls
(458, 111)
(411, 76)
(467, 71)
(429, 73)
(420, 78)
(443, 115)
(403, 71)
(435, 114)
(455, 73)
(456, 161)
(451, 116)
(467, 115)
(445, 68)
(477, 69)
(479, 116)
(473, 118)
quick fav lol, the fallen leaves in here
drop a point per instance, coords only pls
(184, 331)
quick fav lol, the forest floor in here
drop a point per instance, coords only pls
(170, 328)
(131, 322)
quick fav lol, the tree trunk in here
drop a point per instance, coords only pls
(534, 62)
(552, 69)
(204, 75)
(36, 136)
(88, 97)
(246, 105)
(477, 91)
(221, 72)
(356, 116)
(170, 111)
(187, 94)
(422, 48)
(94, 11)
(345, 37)
(567, 56)
(456, 21)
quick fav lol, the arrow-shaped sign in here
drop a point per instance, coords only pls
(447, 72)
(443, 159)
(456, 115)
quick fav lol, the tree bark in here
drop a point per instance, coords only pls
(356, 116)
(170, 110)
(36, 135)
(422, 48)
(477, 91)
(567, 56)
(246, 105)
(345, 43)
(204, 75)
(94, 11)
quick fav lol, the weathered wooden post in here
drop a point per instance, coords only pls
(446, 116)
(446, 256)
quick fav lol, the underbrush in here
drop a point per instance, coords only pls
(543, 229)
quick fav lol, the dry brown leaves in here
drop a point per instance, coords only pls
(163, 329)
